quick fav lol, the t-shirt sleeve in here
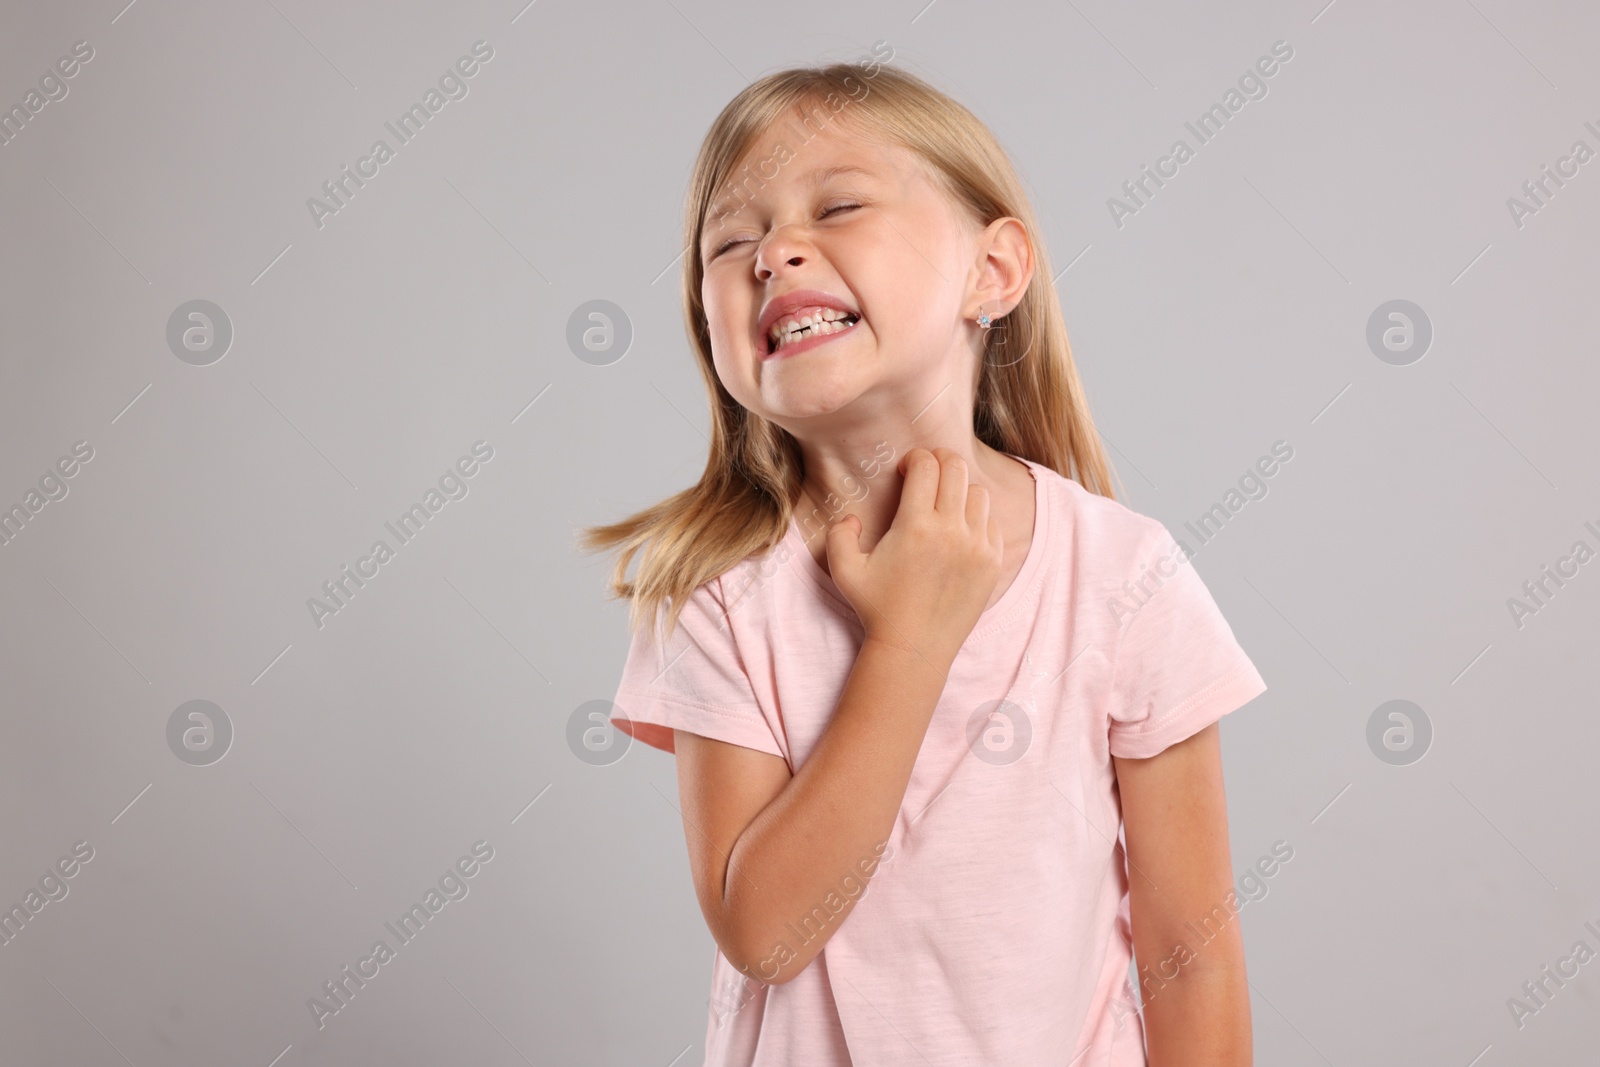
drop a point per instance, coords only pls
(695, 681)
(1178, 667)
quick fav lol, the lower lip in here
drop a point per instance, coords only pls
(796, 347)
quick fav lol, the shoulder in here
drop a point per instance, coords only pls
(748, 589)
(1098, 533)
(708, 607)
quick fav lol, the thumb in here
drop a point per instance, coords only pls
(844, 546)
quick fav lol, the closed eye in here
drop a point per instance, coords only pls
(829, 210)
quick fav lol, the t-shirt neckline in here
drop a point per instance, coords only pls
(992, 616)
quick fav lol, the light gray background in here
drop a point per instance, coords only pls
(431, 312)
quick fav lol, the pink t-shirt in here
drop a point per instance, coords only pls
(995, 926)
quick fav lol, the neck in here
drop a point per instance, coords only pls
(846, 478)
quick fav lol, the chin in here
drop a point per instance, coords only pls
(809, 399)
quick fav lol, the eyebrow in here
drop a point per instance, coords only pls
(813, 178)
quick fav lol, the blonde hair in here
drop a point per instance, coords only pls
(1031, 406)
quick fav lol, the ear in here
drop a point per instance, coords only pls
(1004, 267)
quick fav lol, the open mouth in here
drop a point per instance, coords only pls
(792, 331)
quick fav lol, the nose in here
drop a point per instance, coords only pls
(781, 248)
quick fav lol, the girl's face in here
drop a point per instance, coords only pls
(864, 222)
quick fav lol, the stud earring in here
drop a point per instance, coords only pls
(983, 320)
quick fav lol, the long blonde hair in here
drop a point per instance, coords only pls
(1031, 406)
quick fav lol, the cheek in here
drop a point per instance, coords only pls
(899, 288)
(727, 317)
(729, 352)
(900, 320)
(734, 374)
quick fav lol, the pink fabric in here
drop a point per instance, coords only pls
(995, 929)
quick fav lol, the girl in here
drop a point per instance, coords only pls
(920, 669)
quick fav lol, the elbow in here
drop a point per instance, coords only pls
(757, 944)
(760, 959)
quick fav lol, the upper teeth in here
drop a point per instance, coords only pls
(808, 321)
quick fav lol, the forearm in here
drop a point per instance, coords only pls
(1200, 1018)
(833, 817)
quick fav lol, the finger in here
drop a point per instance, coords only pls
(978, 508)
(844, 543)
(952, 498)
(921, 483)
